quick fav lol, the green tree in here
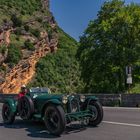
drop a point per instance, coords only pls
(109, 44)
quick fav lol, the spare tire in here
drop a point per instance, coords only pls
(25, 107)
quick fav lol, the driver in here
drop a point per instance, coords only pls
(23, 91)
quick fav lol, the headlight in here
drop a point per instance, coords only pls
(82, 98)
(64, 99)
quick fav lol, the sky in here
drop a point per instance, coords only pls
(73, 16)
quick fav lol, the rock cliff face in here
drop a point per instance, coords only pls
(23, 72)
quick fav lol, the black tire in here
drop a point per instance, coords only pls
(96, 107)
(25, 107)
(7, 115)
(54, 119)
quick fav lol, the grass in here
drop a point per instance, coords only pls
(135, 89)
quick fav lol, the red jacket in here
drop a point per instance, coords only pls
(21, 94)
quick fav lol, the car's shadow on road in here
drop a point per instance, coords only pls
(33, 129)
(38, 129)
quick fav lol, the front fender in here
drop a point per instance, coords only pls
(12, 103)
(51, 101)
(91, 98)
(88, 100)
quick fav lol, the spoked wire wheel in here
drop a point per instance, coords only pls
(96, 109)
(54, 119)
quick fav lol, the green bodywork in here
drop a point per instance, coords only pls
(12, 103)
(42, 100)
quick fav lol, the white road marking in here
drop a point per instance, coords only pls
(119, 123)
(128, 108)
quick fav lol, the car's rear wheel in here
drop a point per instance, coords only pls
(54, 119)
(25, 108)
(7, 114)
(96, 109)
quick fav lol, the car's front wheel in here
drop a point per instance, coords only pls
(96, 109)
(7, 114)
(54, 119)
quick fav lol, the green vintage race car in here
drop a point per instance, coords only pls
(55, 110)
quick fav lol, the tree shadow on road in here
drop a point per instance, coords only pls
(38, 130)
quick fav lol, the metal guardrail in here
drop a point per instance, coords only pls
(126, 100)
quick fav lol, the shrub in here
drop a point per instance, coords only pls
(35, 32)
(39, 19)
(17, 22)
(23, 12)
(26, 27)
(14, 54)
(5, 20)
(18, 31)
(3, 49)
(29, 45)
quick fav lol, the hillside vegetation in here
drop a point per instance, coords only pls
(23, 24)
(60, 71)
(27, 20)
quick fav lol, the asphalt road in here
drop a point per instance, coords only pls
(118, 124)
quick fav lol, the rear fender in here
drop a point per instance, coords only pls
(12, 103)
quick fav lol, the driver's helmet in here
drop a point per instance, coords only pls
(23, 88)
